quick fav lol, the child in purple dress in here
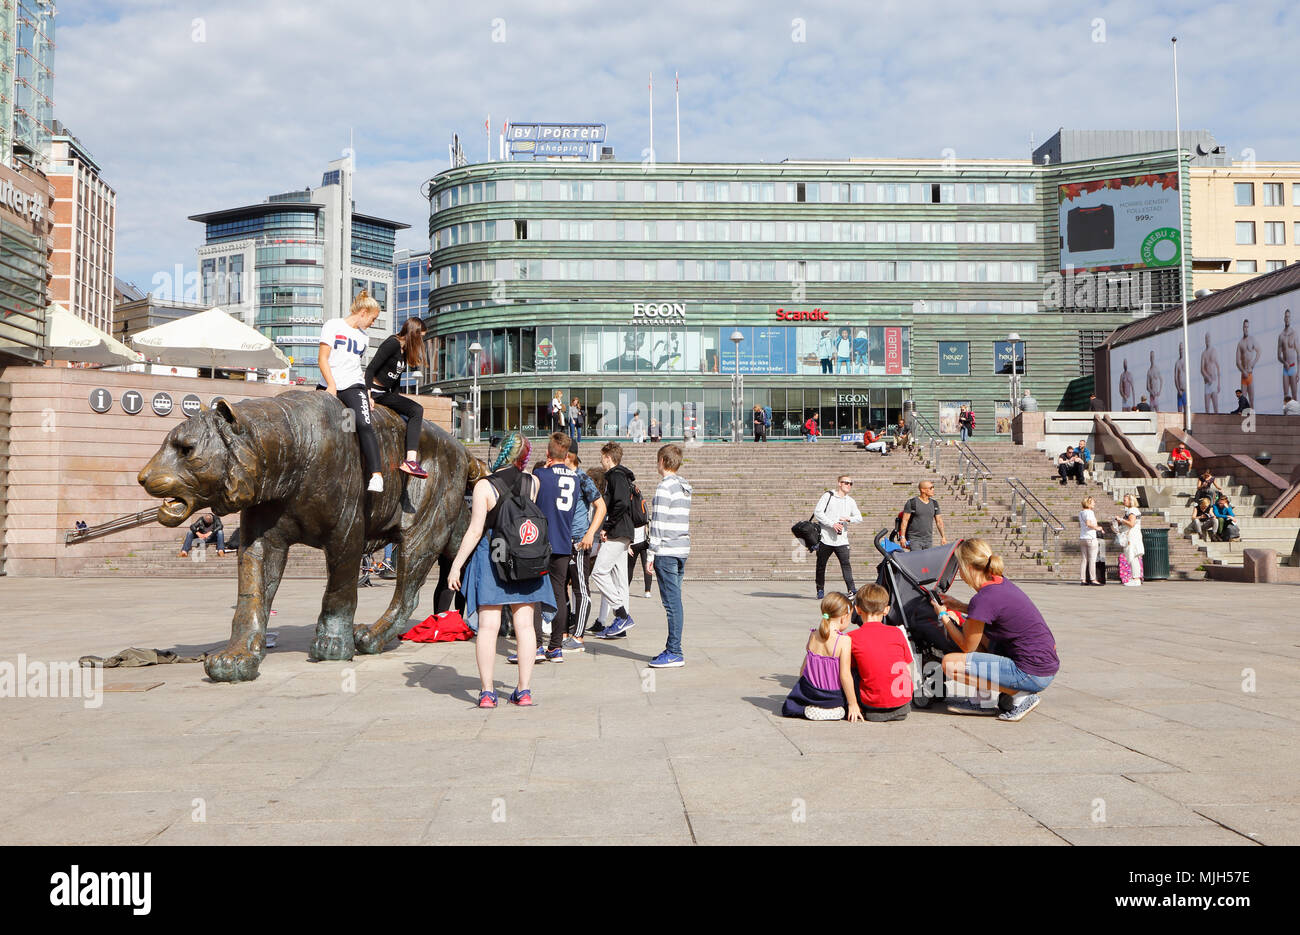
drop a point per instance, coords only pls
(825, 686)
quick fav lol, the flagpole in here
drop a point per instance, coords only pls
(677, 106)
(487, 131)
(652, 116)
(1182, 255)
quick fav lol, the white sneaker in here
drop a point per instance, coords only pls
(823, 714)
(647, 593)
(376, 483)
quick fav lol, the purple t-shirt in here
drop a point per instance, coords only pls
(1014, 624)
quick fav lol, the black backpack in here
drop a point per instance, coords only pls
(640, 511)
(520, 549)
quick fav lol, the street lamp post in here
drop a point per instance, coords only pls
(737, 388)
(475, 400)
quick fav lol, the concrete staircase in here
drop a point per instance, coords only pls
(1037, 471)
(1173, 499)
(163, 561)
(747, 496)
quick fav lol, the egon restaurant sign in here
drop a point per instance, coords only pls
(658, 310)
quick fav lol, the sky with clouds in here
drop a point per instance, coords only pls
(211, 104)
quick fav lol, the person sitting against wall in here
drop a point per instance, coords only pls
(1290, 406)
(207, 528)
(1180, 461)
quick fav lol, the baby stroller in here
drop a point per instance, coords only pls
(912, 579)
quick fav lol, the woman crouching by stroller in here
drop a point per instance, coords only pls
(1000, 616)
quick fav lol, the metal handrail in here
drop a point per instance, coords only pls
(936, 442)
(1022, 501)
(117, 524)
(974, 472)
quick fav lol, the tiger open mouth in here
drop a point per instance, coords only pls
(174, 511)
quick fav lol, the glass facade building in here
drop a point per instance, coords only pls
(27, 79)
(412, 279)
(850, 286)
(279, 265)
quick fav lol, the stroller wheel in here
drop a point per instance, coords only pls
(921, 701)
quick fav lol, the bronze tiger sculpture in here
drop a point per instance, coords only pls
(291, 469)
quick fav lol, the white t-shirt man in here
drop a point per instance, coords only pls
(832, 510)
(347, 346)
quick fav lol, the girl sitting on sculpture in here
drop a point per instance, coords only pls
(399, 353)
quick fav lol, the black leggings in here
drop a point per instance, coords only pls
(409, 410)
(354, 397)
(637, 552)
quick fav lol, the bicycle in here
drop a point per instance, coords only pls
(370, 566)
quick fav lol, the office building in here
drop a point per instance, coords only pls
(85, 221)
(290, 263)
(851, 285)
(26, 81)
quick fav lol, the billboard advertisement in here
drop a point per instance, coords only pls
(1122, 223)
(1255, 349)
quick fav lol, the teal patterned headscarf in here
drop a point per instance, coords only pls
(514, 450)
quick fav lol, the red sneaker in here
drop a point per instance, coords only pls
(413, 468)
(522, 698)
(487, 699)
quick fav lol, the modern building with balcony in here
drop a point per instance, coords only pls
(850, 285)
(290, 263)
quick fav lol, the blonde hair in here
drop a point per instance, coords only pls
(1087, 502)
(872, 600)
(977, 557)
(1204, 501)
(1127, 498)
(834, 605)
(363, 302)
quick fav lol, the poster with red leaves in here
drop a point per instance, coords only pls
(1130, 222)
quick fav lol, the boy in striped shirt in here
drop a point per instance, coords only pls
(670, 543)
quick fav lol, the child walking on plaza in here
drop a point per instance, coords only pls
(669, 545)
(825, 686)
(881, 659)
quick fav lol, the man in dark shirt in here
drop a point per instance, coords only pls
(920, 517)
(206, 528)
(1243, 403)
(1144, 406)
(1095, 404)
(1068, 465)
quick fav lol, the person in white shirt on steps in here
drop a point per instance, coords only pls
(835, 510)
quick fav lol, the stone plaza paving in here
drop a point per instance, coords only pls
(1175, 720)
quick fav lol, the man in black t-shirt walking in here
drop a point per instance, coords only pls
(920, 517)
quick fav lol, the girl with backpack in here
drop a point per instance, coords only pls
(486, 588)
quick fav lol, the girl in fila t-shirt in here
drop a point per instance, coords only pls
(343, 342)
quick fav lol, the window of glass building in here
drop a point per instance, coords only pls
(1243, 193)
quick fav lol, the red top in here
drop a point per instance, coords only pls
(880, 660)
(811, 426)
(1181, 454)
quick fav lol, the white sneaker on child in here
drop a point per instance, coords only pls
(823, 714)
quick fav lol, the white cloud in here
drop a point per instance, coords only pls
(268, 98)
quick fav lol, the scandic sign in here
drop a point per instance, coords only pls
(790, 315)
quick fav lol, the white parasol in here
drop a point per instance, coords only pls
(210, 339)
(70, 338)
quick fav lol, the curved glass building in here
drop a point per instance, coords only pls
(841, 288)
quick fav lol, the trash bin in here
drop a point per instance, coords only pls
(1155, 563)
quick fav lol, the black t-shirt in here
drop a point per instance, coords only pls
(387, 366)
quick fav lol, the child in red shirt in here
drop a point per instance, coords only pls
(881, 659)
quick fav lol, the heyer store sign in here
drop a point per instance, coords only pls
(659, 311)
(817, 314)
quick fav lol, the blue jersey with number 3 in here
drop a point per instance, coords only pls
(558, 498)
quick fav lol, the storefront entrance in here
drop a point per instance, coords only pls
(609, 409)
